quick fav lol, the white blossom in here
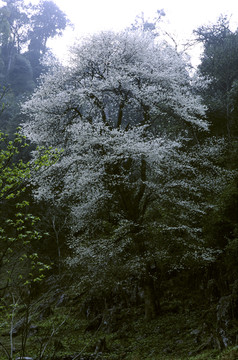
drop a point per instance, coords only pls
(133, 190)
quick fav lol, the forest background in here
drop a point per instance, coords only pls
(118, 190)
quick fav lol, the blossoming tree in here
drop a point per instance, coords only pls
(136, 195)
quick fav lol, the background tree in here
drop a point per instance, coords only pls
(47, 22)
(150, 25)
(220, 64)
(24, 32)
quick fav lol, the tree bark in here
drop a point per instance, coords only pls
(151, 302)
(120, 114)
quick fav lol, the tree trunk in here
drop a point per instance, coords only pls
(151, 302)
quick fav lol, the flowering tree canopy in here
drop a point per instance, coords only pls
(121, 80)
(136, 194)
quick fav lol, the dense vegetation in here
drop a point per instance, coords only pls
(119, 193)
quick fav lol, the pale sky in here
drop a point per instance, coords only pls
(94, 15)
(182, 16)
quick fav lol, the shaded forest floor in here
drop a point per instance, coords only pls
(186, 328)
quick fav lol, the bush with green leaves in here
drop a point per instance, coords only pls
(21, 268)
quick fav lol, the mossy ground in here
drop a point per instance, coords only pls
(179, 333)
